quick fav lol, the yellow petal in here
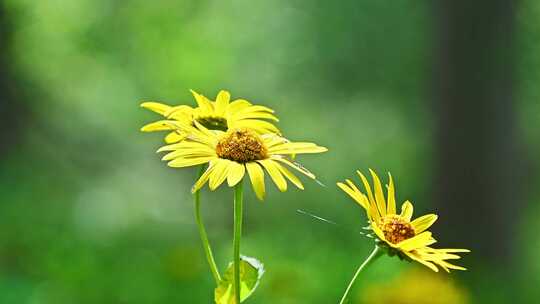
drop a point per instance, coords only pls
(178, 109)
(161, 125)
(237, 105)
(443, 256)
(183, 113)
(295, 165)
(373, 213)
(391, 196)
(220, 173)
(187, 162)
(186, 145)
(189, 153)
(311, 150)
(204, 178)
(171, 147)
(236, 173)
(256, 115)
(203, 135)
(447, 266)
(378, 232)
(356, 195)
(423, 262)
(256, 175)
(274, 173)
(175, 137)
(222, 102)
(456, 250)
(272, 139)
(252, 109)
(157, 107)
(295, 180)
(296, 148)
(367, 188)
(203, 131)
(203, 102)
(407, 210)
(355, 189)
(379, 195)
(259, 126)
(418, 241)
(286, 145)
(424, 222)
(253, 112)
(442, 253)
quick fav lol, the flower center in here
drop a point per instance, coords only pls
(213, 122)
(396, 229)
(241, 146)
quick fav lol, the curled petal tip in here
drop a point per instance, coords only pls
(146, 104)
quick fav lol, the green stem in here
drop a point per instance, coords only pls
(204, 236)
(238, 198)
(371, 258)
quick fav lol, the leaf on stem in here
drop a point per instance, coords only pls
(251, 271)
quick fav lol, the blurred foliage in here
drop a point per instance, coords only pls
(88, 213)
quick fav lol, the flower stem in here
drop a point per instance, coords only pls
(204, 236)
(238, 201)
(371, 258)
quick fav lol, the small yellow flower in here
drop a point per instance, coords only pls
(230, 154)
(221, 114)
(397, 232)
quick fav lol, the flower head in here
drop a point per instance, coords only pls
(396, 232)
(221, 114)
(238, 152)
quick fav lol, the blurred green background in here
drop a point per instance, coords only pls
(89, 214)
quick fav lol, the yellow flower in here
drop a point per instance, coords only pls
(415, 286)
(233, 153)
(214, 115)
(396, 232)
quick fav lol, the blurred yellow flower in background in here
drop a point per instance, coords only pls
(221, 114)
(233, 153)
(415, 286)
(396, 232)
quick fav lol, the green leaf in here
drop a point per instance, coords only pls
(251, 271)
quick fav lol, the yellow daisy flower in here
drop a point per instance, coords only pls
(221, 114)
(238, 152)
(396, 232)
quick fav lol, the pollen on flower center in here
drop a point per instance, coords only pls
(241, 146)
(213, 122)
(396, 229)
